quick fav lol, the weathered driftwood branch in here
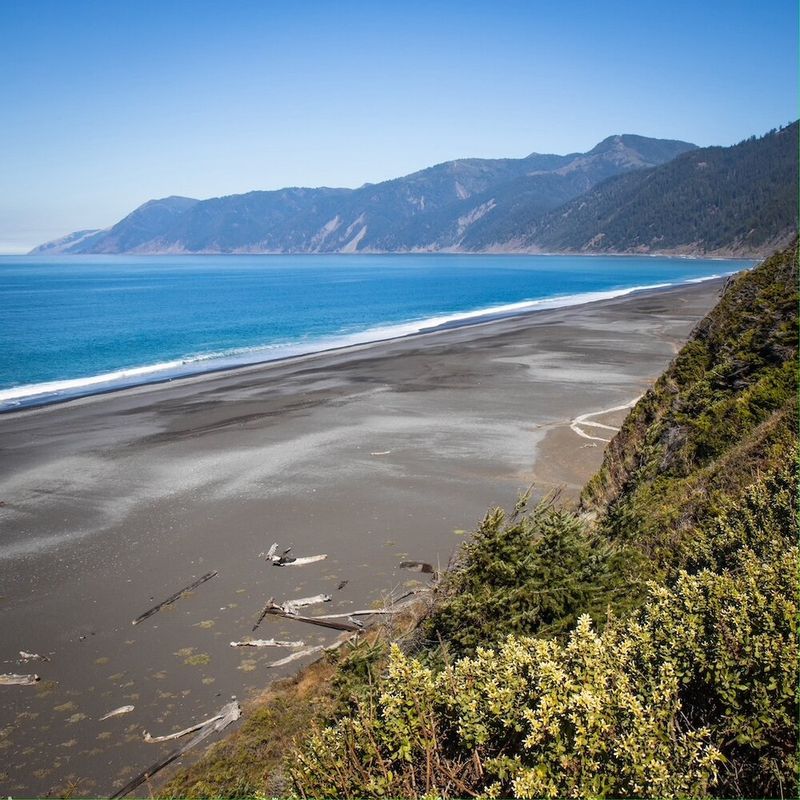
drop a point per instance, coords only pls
(300, 561)
(272, 553)
(396, 608)
(18, 680)
(279, 611)
(291, 606)
(288, 611)
(23, 657)
(172, 598)
(285, 560)
(311, 650)
(364, 612)
(116, 712)
(229, 713)
(266, 643)
(264, 612)
(178, 734)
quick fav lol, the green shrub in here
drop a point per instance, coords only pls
(534, 572)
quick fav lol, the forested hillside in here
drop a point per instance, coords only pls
(642, 646)
(715, 199)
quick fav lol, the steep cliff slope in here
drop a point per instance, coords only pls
(687, 688)
(724, 411)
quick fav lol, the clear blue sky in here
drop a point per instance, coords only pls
(107, 104)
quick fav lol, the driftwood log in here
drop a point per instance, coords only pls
(18, 680)
(116, 712)
(285, 560)
(278, 611)
(228, 714)
(173, 597)
(291, 606)
(266, 643)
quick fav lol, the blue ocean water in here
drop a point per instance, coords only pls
(77, 325)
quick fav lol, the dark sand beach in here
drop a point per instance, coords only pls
(372, 455)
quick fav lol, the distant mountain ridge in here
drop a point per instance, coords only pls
(628, 194)
(456, 205)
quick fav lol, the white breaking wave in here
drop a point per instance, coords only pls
(57, 387)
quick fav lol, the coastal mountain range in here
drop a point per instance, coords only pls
(628, 194)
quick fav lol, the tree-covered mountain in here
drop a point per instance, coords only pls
(740, 199)
(457, 204)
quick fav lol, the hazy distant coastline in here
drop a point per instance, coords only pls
(628, 195)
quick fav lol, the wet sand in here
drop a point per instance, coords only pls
(372, 455)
